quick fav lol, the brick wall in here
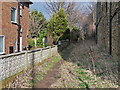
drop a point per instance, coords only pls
(104, 25)
(0, 18)
(9, 30)
(25, 23)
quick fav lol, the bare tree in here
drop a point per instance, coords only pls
(36, 23)
(76, 12)
(54, 6)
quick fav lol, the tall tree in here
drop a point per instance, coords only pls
(61, 24)
(58, 24)
(72, 10)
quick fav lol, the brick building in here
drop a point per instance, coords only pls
(9, 26)
(108, 26)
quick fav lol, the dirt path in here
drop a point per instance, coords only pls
(50, 77)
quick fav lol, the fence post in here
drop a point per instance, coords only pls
(56, 49)
(50, 55)
(41, 55)
(0, 85)
(26, 59)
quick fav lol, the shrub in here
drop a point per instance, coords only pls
(46, 44)
(31, 43)
(42, 34)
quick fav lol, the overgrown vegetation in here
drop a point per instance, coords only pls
(89, 56)
(74, 76)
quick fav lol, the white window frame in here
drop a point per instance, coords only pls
(16, 46)
(20, 9)
(15, 15)
(3, 44)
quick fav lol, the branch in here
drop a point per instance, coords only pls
(116, 11)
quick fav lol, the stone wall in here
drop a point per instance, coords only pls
(104, 27)
(14, 63)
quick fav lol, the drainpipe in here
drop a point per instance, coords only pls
(110, 30)
(19, 26)
(96, 21)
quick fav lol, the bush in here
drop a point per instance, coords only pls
(42, 34)
(46, 44)
(31, 43)
(66, 35)
(40, 42)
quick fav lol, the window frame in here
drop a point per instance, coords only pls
(16, 46)
(3, 44)
(15, 15)
(20, 9)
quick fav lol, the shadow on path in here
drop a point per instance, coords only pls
(51, 76)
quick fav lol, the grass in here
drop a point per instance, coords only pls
(56, 59)
(77, 77)
(31, 82)
(40, 75)
(82, 85)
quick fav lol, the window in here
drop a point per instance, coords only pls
(11, 49)
(1, 44)
(13, 14)
(15, 45)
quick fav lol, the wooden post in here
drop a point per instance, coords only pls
(41, 55)
(0, 85)
(50, 55)
(56, 47)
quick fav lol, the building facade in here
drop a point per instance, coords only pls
(9, 26)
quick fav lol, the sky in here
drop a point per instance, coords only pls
(40, 7)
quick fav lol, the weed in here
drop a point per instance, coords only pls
(82, 72)
(56, 59)
(93, 58)
(82, 85)
(40, 75)
(37, 78)
(59, 76)
(27, 82)
(31, 82)
(50, 65)
(98, 86)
